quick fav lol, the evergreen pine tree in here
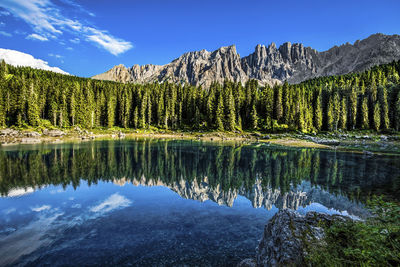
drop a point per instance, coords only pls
(397, 112)
(364, 114)
(136, 118)
(318, 110)
(353, 107)
(377, 116)
(219, 114)
(343, 115)
(231, 113)
(254, 118)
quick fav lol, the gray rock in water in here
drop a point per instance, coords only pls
(289, 236)
(268, 65)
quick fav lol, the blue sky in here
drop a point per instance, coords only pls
(88, 37)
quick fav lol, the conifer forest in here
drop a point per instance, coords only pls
(368, 100)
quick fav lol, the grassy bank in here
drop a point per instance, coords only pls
(374, 242)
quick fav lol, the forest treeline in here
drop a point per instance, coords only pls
(228, 166)
(368, 100)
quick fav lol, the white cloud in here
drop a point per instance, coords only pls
(2, 24)
(16, 192)
(69, 48)
(41, 208)
(35, 36)
(109, 43)
(56, 56)
(5, 34)
(17, 58)
(19, 32)
(48, 21)
(9, 210)
(75, 41)
(4, 13)
(113, 202)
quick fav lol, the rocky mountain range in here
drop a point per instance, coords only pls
(268, 64)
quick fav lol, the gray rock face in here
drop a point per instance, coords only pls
(289, 236)
(290, 62)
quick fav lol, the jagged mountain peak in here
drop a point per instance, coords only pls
(292, 62)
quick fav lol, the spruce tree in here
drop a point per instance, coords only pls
(219, 114)
(318, 110)
(254, 118)
(136, 118)
(384, 107)
(32, 107)
(278, 103)
(231, 113)
(143, 109)
(353, 107)
(286, 103)
(397, 112)
(377, 116)
(364, 114)
(343, 115)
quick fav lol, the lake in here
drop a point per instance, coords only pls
(149, 202)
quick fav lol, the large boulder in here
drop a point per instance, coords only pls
(289, 237)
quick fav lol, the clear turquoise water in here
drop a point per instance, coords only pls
(168, 203)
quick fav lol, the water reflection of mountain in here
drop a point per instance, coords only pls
(301, 196)
(286, 178)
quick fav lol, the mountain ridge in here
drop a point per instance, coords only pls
(270, 64)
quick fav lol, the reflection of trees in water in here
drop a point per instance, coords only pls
(229, 166)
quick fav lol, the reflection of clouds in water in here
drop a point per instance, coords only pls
(26, 239)
(41, 208)
(9, 210)
(17, 192)
(48, 226)
(57, 191)
(113, 202)
(323, 209)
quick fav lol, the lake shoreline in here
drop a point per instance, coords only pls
(352, 142)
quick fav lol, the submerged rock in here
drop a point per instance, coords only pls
(289, 236)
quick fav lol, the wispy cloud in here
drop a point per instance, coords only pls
(2, 24)
(75, 5)
(113, 45)
(41, 208)
(4, 13)
(47, 20)
(115, 201)
(35, 36)
(75, 40)
(5, 34)
(56, 56)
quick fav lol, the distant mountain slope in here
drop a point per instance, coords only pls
(291, 62)
(17, 58)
